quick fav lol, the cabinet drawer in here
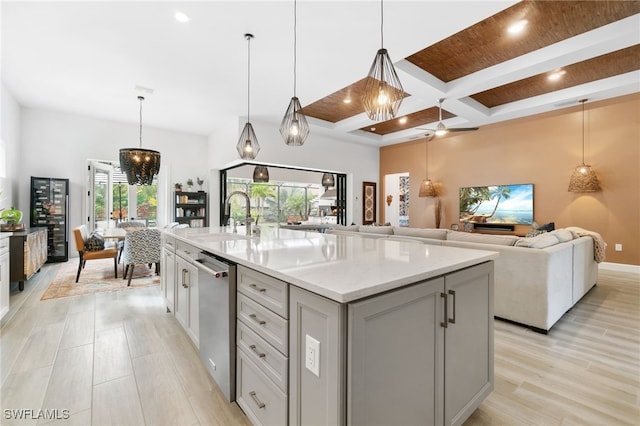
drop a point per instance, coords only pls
(187, 250)
(169, 244)
(267, 291)
(265, 323)
(260, 399)
(270, 361)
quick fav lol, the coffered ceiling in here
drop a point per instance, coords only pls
(88, 57)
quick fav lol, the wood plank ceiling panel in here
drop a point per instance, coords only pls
(611, 64)
(415, 119)
(487, 43)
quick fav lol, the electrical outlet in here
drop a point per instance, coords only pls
(618, 247)
(312, 355)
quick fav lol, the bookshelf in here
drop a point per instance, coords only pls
(191, 208)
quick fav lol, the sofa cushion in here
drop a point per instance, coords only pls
(387, 230)
(353, 228)
(563, 235)
(503, 240)
(541, 241)
(436, 234)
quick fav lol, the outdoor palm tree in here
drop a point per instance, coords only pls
(260, 193)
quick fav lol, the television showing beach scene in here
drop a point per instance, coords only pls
(507, 204)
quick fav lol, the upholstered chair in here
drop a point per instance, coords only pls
(81, 234)
(141, 246)
(127, 224)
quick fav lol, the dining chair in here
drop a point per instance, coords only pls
(81, 235)
(127, 224)
(141, 246)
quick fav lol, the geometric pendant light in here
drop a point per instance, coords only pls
(583, 178)
(140, 165)
(426, 188)
(248, 146)
(261, 174)
(294, 127)
(328, 181)
(383, 92)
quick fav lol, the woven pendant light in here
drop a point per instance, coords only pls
(426, 188)
(140, 165)
(383, 92)
(583, 178)
(248, 146)
(261, 174)
(294, 127)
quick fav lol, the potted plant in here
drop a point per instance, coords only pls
(189, 183)
(178, 187)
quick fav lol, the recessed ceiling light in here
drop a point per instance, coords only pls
(402, 120)
(518, 27)
(182, 17)
(347, 101)
(556, 75)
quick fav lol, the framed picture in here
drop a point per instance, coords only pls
(368, 203)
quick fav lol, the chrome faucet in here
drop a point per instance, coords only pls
(227, 210)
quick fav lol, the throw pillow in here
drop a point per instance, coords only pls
(547, 227)
(533, 232)
(95, 242)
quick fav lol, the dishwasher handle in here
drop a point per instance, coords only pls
(221, 273)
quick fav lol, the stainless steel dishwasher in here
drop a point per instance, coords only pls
(217, 315)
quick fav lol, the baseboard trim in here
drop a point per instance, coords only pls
(619, 267)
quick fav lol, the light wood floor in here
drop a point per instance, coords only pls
(118, 358)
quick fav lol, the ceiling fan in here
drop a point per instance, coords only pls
(441, 129)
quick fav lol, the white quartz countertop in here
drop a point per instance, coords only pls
(343, 268)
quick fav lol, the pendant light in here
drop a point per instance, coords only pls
(583, 178)
(426, 188)
(294, 127)
(328, 181)
(248, 146)
(261, 174)
(140, 165)
(383, 92)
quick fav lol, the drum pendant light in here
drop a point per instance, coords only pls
(294, 127)
(248, 146)
(140, 165)
(426, 188)
(583, 178)
(383, 92)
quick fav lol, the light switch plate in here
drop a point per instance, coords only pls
(312, 355)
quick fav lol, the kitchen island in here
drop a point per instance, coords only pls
(337, 329)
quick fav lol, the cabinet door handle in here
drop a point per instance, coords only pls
(453, 319)
(259, 403)
(260, 354)
(185, 272)
(255, 318)
(255, 287)
(444, 323)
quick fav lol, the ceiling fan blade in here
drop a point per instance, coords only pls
(462, 129)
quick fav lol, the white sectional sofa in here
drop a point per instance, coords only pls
(537, 279)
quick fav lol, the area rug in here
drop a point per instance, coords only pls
(96, 277)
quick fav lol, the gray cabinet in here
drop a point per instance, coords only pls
(262, 362)
(168, 274)
(186, 290)
(425, 350)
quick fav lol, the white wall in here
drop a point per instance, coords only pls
(58, 144)
(359, 162)
(9, 149)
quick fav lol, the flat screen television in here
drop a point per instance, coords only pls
(500, 204)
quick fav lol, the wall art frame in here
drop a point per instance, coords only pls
(369, 203)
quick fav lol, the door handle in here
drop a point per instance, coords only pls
(257, 352)
(255, 287)
(259, 403)
(445, 323)
(453, 319)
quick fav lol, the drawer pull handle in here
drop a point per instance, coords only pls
(255, 318)
(255, 287)
(259, 403)
(260, 354)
